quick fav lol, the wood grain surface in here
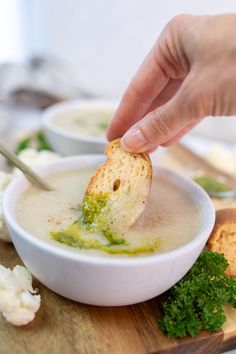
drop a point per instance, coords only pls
(62, 326)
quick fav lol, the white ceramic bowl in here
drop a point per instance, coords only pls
(68, 143)
(112, 281)
(218, 128)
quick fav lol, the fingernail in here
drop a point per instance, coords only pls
(133, 140)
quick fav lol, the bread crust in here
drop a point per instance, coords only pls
(223, 237)
(225, 215)
(108, 152)
(131, 170)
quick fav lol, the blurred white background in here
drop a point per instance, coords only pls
(89, 48)
(101, 42)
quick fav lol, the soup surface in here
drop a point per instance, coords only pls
(170, 216)
(86, 122)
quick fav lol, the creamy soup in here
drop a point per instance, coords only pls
(86, 122)
(170, 219)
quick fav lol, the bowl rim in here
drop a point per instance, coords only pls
(70, 105)
(21, 182)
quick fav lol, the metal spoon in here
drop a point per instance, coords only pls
(186, 155)
(30, 174)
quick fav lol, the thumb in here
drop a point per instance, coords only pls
(161, 125)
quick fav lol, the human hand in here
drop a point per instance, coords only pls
(190, 73)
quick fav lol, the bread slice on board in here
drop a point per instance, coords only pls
(127, 178)
(223, 237)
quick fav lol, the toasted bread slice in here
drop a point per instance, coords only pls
(223, 237)
(126, 178)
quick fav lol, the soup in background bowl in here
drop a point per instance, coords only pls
(90, 122)
(78, 127)
(179, 215)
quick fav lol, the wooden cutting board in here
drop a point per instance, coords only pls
(62, 326)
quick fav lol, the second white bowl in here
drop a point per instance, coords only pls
(69, 143)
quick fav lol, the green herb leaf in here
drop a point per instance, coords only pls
(36, 140)
(22, 145)
(41, 141)
(211, 184)
(196, 302)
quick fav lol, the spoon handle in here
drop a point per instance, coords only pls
(185, 154)
(28, 172)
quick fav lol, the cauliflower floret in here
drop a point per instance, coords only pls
(18, 300)
(34, 158)
(222, 158)
(5, 179)
(24, 278)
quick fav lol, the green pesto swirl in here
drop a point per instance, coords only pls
(94, 218)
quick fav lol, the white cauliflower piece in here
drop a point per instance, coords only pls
(23, 277)
(34, 158)
(18, 300)
(5, 179)
(222, 158)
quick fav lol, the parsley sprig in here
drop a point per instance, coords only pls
(196, 302)
(35, 140)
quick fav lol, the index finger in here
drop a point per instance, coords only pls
(146, 85)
